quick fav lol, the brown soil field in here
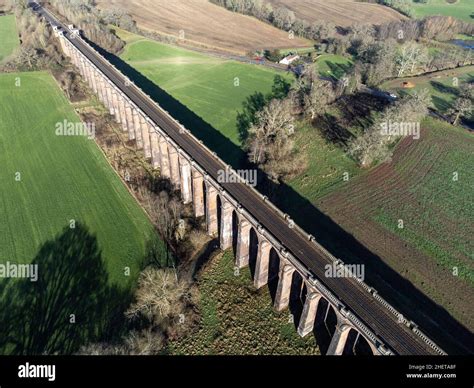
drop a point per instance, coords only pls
(205, 24)
(340, 12)
(391, 187)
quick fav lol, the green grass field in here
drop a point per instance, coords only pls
(211, 87)
(461, 9)
(62, 178)
(331, 65)
(327, 164)
(8, 36)
(441, 85)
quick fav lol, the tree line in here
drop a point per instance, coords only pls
(430, 27)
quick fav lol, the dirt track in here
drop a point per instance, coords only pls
(205, 24)
(340, 12)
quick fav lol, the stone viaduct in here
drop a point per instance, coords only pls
(271, 264)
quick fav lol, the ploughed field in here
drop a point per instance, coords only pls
(417, 213)
(205, 24)
(339, 12)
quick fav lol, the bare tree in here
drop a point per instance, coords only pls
(270, 144)
(274, 125)
(137, 343)
(158, 297)
(283, 18)
(317, 101)
(411, 54)
(368, 147)
(322, 30)
(462, 107)
(166, 213)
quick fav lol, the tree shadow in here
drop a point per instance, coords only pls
(338, 69)
(204, 255)
(246, 118)
(71, 304)
(440, 104)
(442, 88)
(159, 253)
(357, 109)
(332, 131)
(400, 292)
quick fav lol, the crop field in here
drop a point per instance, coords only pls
(211, 87)
(64, 209)
(443, 85)
(255, 328)
(206, 24)
(341, 13)
(62, 178)
(420, 208)
(8, 36)
(461, 9)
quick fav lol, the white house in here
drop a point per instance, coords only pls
(289, 59)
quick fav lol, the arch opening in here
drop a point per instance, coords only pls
(235, 231)
(297, 297)
(273, 273)
(324, 325)
(219, 216)
(253, 251)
